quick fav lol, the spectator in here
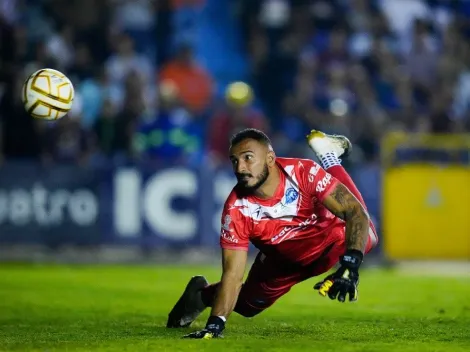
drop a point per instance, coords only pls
(82, 67)
(94, 90)
(357, 67)
(195, 85)
(19, 135)
(126, 60)
(336, 53)
(137, 18)
(130, 115)
(237, 113)
(60, 46)
(173, 135)
(421, 63)
(109, 132)
(66, 142)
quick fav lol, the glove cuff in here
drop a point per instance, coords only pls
(215, 324)
(352, 259)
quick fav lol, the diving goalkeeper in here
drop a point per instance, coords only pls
(303, 217)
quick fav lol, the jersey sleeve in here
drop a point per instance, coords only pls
(234, 231)
(318, 182)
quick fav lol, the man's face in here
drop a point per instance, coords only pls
(251, 163)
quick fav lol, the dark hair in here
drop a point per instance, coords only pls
(250, 133)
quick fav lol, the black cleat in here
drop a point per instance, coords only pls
(190, 304)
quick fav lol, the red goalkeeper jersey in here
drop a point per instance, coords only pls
(293, 225)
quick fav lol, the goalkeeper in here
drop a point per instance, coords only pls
(304, 218)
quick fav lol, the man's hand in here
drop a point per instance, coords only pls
(345, 280)
(213, 329)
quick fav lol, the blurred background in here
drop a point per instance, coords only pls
(139, 169)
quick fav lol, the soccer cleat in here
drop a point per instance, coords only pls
(322, 143)
(190, 304)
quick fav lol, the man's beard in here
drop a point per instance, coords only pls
(260, 180)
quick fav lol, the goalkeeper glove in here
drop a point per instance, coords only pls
(213, 329)
(345, 280)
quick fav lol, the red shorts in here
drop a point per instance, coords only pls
(268, 280)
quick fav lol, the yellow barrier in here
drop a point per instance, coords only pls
(425, 206)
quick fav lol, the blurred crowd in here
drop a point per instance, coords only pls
(144, 92)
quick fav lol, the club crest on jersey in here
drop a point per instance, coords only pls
(291, 195)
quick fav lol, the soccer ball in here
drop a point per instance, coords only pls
(48, 94)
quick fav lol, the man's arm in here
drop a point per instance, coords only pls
(233, 262)
(233, 270)
(341, 202)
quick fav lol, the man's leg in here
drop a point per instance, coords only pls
(329, 149)
(189, 306)
(266, 283)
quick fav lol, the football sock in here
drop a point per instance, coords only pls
(330, 159)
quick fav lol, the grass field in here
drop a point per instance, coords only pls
(124, 308)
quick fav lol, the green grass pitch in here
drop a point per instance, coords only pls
(124, 308)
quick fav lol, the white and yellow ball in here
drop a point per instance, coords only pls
(48, 94)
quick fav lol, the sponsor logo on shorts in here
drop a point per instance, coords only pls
(321, 185)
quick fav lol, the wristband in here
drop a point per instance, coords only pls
(352, 259)
(215, 323)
